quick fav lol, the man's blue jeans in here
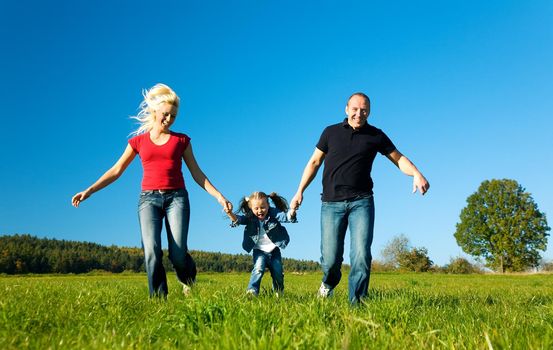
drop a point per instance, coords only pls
(273, 261)
(358, 214)
(173, 207)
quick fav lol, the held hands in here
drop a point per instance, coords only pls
(294, 206)
(296, 201)
(420, 183)
(227, 206)
(291, 214)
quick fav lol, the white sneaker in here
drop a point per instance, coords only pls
(325, 291)
(186, 289)
(251, 293)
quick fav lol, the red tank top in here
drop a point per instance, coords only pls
(161, 164)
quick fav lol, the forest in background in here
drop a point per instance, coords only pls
(21, 254)
(24, 253)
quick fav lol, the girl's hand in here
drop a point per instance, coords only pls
(291, 214)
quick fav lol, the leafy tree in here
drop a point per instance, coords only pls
(394, 249)
(399, 255)
(502, 224)
(416, 260)
(460, 265)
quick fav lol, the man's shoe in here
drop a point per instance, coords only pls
(325, 291)
(186, 289)
(251, 293)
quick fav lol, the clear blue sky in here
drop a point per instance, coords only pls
(463, 88)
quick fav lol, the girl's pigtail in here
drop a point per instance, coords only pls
(243, 207)
(279, 202)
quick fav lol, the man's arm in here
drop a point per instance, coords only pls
(309, 174)
(408, 168)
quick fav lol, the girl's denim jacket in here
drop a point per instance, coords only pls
(275, 231)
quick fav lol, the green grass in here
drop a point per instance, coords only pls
(403, 311)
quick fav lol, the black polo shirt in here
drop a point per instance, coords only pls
(349, 156)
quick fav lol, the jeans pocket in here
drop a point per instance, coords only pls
(180, 199)
(144, 200)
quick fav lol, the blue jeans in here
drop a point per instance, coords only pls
(358, 214)
(273, 261)
(172, 207)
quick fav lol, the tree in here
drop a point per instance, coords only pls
(502, 224)
(28, 254)
(546, 266)
(394, 249)
(416, 260)
(399, 255)
(460, 265)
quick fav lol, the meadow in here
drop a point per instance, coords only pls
(403, 311)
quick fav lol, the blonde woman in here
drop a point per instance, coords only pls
(164, 196)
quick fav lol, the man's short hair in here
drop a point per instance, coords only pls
(362, 95)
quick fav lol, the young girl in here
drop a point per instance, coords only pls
(265, 235)
(164, 196)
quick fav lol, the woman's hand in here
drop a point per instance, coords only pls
(227, 206)
(79, 197)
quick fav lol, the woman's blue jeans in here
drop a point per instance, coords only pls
(358, 214)
(273, 261)
(173, 207)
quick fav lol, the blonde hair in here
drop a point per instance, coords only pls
(158, 94)
(279, 202)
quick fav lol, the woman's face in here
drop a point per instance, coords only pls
(164, 116)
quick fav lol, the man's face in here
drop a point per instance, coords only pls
(358, 110)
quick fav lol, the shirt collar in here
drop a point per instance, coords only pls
(346, 125)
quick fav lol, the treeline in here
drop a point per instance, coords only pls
(21, 254)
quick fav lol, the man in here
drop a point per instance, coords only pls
(348, 150)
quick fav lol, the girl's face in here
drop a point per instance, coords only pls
(259, 207)
(165, 115)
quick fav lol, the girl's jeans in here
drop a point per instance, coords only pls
(358, 214)
(273, 261)
(171, 206)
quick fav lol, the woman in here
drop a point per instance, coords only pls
(164, 195)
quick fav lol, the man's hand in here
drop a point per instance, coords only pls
(296, 201)
(420, 183)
